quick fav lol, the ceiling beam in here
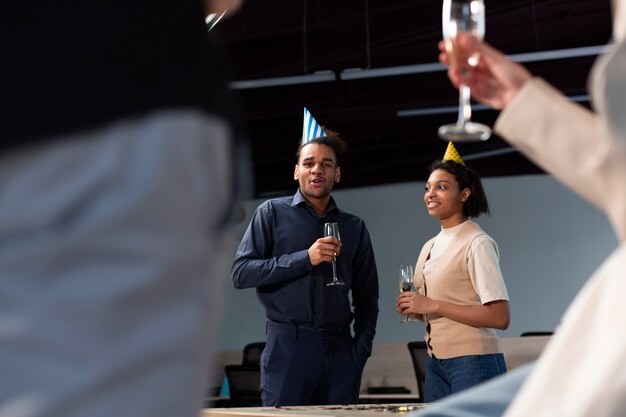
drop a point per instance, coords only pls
(316, 77)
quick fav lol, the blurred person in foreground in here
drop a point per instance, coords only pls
(582, 371)
(311, 355)
(118, 148)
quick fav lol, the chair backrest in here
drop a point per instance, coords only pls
(252, 353)
(537, 333)
(418, 353)
(244, 382)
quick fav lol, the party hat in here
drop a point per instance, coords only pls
(310, 128)
(452, 154)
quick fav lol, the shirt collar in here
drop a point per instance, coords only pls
(451, 231)
(298, 200)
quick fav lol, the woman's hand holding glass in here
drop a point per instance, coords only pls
(494, 81)
(406, 281)
(463, 18)
(414, 304)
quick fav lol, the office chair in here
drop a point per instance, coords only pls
(418, 353)
(252, 353)
(244, 382)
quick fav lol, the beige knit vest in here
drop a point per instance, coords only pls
(450, 281)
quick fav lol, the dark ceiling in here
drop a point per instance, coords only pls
(282, 38)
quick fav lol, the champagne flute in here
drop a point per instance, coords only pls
(406, 281)
(466, 17)
(332, 229)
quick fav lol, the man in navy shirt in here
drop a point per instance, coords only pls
(311, 356)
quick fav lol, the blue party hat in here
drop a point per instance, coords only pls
(310, 128)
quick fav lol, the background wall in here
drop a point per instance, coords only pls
(550, 242)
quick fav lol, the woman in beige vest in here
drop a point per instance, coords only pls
(463, 297)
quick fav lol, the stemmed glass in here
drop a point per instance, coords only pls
(465, 17)
(407, 283)
(332, 229)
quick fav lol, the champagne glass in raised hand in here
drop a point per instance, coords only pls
(463, 18)
(332, 229)
(405, 279)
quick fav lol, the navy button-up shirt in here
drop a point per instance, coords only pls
(273, 258)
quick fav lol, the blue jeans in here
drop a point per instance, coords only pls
(490, 399)
(449, 376)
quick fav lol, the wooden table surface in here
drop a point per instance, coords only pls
(360, 410)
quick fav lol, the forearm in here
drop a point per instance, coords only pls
(365, 292)
(365, 304)
(493, 315)
(251, 272)
(365, 319)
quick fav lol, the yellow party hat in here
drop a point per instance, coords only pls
(452, 154)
